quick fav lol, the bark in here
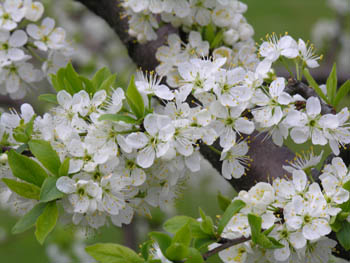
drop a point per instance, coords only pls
(267, 157)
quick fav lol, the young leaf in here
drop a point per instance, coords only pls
(346, 186)
(175, 223)
(52, 98)
(49, 191)
(194, 256)
(145, 248)
(26, 169)
(207, 225)
(315, 86)
(255, 226)
(88, 85)
(44, 152)
(55, 83)
(23, 189)
(117, 117)
(177, 251)
(343, 235)
(64, 168)
(46, 222)
(163, 240)
(332, 83)
(113, 253)
(99, 77)
(134, 99)
(22, 148)
(268, 242)
(200, 243)
(183, 236)
(223, 201)
(107, 84)
(231, 210)
(209, 32)
(342, 92)
(217, 40)
(29, 219)
(73, 78)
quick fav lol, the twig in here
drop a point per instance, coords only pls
(227, 243)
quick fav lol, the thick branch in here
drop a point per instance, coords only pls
(142, 54)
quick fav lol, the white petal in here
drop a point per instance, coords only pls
(66, 185)
(137, 140)
(313, 107)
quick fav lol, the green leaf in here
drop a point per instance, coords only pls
(342, 92)
(145, 248)
(26, 169)
(332, 83)
(73, 78)
(194, 256)
(23, 189)
(207, 224)
(163, 240)
(117, 117)
(55, 83)
(64, 168)
(209, 32)
(107, 84)
(315, 86)
(22, 148)
(345, 207)
(28, 128)
(255, 226)
(99, 77)
(44, 152)
(346, 186)
(52, 98)
(223, 201)
(113, 253)
(88, 85)
(183, 236)
(177, 251)
(173, 224)
(343, 235)
(268, 242)
(29, 219)
(49, 191)
(231, 210)
(200, 243)
(134, 99)
(217, 40)
(46, 222)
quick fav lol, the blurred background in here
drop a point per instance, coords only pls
(322, 22)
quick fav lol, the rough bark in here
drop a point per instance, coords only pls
(267, 157)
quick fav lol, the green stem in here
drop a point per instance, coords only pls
(31, 51)
(214, 149)
(128, 131)
(287, 67)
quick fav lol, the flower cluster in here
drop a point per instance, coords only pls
(188, 14)
(299, 211)
(22, 42)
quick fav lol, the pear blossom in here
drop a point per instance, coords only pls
(154, 143)
(311, 124)
(33, 10)
(152, 85)
(82, 194)
(307, 54)
(11, 13)
(274, 48)
(271, 104)
(11, 45)
(47, 37)
(228, 123)
(235, 160)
